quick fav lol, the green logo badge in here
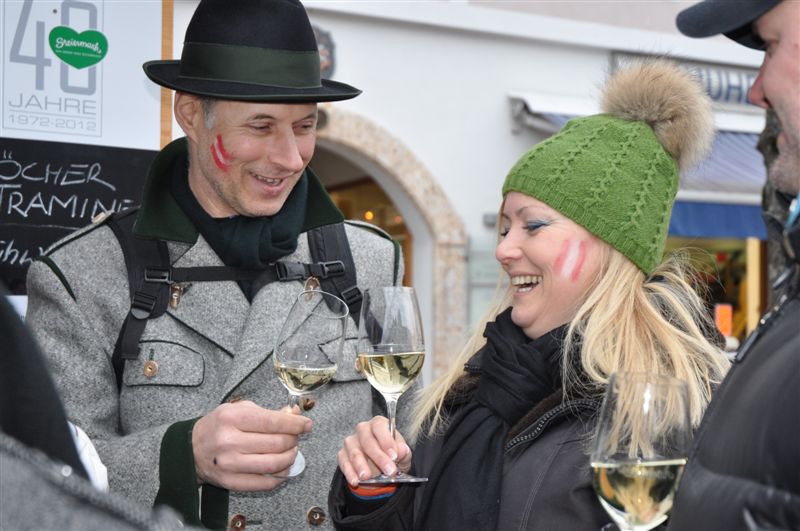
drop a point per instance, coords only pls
(78, 49)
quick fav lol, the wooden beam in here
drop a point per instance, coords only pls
(166, 54)
(754, 275)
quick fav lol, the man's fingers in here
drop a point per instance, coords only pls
(272, 463)
(259, 443)
(251, 482)
(247, 416)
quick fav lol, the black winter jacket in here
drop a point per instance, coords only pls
(744, 469)
(547, 482)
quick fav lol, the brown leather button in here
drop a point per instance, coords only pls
(307, 403)
(150, 368)
(358, 366)
(316, 516)
(237, 522)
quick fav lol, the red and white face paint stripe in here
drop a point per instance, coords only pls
(571, 258)
(221, 157)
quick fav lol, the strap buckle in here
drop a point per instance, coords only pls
(351, 295)
(290, 271)
(333, 268)
(142, 305)
(160, 275)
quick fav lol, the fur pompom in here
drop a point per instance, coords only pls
(670, 100)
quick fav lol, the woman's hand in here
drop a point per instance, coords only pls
(371, 450)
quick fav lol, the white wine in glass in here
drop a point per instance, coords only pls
(391, 352)
(308, 348)
(391, 372)
(641, 444)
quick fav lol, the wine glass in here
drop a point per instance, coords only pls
(308, 348)
(391, 351)
(640, 450)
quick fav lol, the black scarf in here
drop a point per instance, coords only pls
(241, 241)
(463, 491)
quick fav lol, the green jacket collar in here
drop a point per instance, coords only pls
(161, 218)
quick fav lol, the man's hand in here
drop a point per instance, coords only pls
(236, 444)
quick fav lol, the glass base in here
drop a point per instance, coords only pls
(400, 477)
(298, 466)
(295, 470)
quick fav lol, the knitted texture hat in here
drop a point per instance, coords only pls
(616, 174)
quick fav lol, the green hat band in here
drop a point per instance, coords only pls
(247, 64)
(609, 175)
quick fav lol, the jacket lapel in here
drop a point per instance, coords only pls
(215, 310)
(263, 323)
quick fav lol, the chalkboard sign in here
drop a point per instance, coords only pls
(49, 189)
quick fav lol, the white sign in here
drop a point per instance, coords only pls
(71, 71)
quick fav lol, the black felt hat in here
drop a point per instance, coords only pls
(733, 18)
(250, 50)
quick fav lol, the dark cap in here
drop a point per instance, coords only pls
(733, 18)
(250, 50)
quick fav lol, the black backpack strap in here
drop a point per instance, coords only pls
(150, 275)
(148, 299)
(329, 243)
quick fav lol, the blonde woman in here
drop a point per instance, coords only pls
(504, 435)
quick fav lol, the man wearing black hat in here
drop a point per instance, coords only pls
(173, 379)
(744, 469)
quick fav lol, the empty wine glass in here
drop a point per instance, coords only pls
(640, 450)
(309, 347)
(391, 351)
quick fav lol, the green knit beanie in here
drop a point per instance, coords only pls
(616, 174)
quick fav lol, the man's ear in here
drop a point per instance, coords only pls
(188, 111)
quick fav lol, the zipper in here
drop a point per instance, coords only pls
(763, 325)
(544, 420)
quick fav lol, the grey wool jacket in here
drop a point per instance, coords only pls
(37, 492)
(213, 346)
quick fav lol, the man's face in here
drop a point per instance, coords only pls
(777, 87)
(247, 157)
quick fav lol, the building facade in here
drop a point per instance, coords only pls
(455, 91)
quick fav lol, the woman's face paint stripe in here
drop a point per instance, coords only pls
(571, 258)
(220, 156)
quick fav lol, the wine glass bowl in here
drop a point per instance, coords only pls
(391, 352)
(309, 347)
(642, 439)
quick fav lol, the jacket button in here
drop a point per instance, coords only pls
(238, 522)
(315, 516)
(307, 403)
(150, 368)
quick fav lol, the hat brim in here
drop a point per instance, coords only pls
(167, 74)
(732, 19)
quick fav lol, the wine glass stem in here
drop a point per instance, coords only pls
(294, 400)
(391, 411)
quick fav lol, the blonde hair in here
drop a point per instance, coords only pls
(625, 323)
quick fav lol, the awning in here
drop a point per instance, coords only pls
(718, 198)
(716, 220)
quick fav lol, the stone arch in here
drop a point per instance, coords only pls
(409, 183)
